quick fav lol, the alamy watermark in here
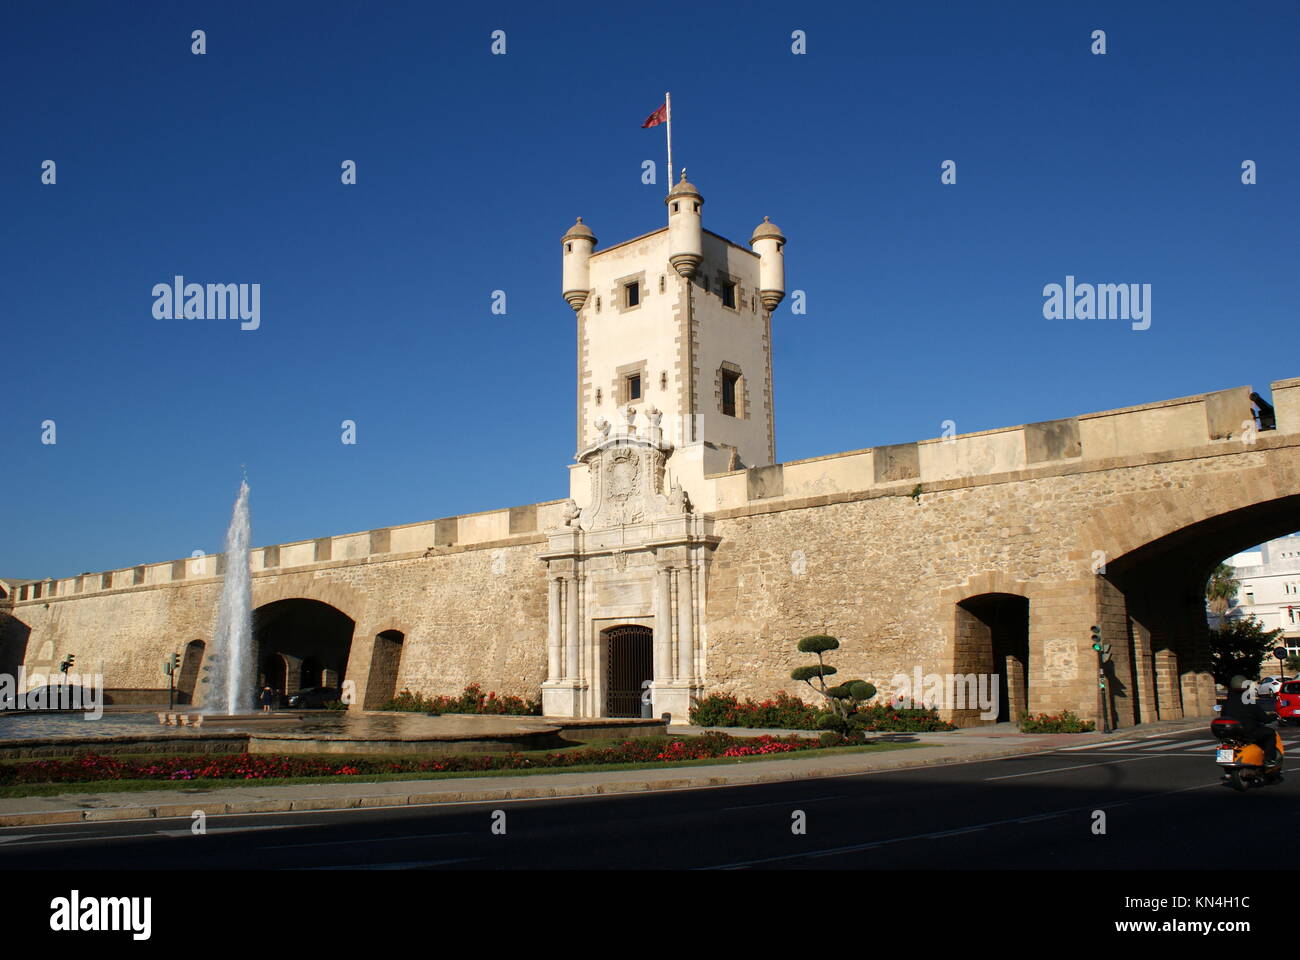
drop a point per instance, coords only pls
(179, 300)
(1100, 301)
(62, 691)
(947, 691)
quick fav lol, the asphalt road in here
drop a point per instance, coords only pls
(1162, 803)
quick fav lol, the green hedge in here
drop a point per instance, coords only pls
(785, 712)
(472, 700)
(1064, 722)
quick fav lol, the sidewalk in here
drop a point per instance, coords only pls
(960, 746)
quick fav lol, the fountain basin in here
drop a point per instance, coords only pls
(371, 732)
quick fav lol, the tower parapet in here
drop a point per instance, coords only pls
(769, 243)
(578, 242)
(685, 230)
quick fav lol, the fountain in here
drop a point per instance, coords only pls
(230, 686)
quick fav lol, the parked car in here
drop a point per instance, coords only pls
(314, 697)
(1288, 702)
(1269, 685)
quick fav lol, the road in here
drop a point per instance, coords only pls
(1163, 808)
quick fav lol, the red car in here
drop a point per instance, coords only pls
(1288, 702)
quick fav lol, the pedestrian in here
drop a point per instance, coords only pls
(266, 698)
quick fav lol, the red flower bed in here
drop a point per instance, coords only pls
(90, 768)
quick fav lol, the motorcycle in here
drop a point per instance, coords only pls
(1243, 760)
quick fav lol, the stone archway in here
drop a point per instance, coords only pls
(385, 666)
(1151, 602)
(991, 639)
(292, 634)
(187, 683)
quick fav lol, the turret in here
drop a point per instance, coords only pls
(769, 244)
(685, 235)
(578, 244)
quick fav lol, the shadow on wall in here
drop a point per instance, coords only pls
(14, 636)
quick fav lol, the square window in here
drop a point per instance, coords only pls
(631, 294)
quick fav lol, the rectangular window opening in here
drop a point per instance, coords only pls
(728, 294)
(632, 294)
(634, 387)
(729, 381)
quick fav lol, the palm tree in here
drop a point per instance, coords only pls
(1221, 589)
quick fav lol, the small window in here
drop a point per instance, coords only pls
(674, 206)
(568, 248)
(634, 387)
(728, 291)
(729, 381)
(632, 294)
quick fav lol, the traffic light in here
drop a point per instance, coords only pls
(176, 662)
(1096, 638)
(68, 662)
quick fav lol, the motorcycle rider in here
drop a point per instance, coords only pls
(1253, 718)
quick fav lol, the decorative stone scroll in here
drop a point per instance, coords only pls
(627, 477)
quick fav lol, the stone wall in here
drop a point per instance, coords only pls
(877, 548)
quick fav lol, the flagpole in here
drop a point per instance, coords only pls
(668, 104)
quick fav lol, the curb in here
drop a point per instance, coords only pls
(484, 795)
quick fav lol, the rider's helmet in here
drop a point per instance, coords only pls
(1239, 683)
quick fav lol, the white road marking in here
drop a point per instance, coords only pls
(408, 865)
(1106, 744)
(335, 843)
(214, 830)
(1080, 766)
(786, 803)
(1181, 743)
(857, 847)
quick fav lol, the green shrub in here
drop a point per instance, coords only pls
(1064, 722)
(471, 700)
(784, 712)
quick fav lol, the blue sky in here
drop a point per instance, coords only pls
(925, 300)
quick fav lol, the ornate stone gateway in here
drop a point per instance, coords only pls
(636, 555)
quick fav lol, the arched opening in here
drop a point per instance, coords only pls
(992, 639)
(385, 665)
(299, 642)
(1153, 611)
(14, 638)
(630, 666)
(191, 663)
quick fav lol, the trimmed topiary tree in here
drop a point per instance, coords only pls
(844, 697)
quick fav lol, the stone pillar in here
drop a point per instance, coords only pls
(554, 650)
(1144, 672)
(685, 624)
(663, 639)
(1017, 699)
(1168, 694)
(572, 665)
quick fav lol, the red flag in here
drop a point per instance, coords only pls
(656, 118)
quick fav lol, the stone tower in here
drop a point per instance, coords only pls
(674, 384)
(678, 320)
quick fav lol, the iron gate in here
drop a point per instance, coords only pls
(631, 663)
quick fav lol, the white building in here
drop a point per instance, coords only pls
(1269, 586)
